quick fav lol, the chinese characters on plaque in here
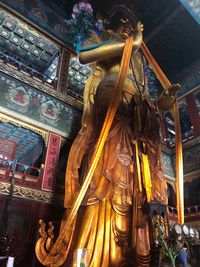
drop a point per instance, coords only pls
(51, 164)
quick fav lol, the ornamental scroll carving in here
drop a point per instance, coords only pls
(24, 192)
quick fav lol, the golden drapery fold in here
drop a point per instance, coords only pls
(110, 225)
(71, 180)
(179, 154)
(58, 253)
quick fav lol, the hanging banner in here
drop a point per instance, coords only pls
(7, 149)
(51, 163)
(193, 7)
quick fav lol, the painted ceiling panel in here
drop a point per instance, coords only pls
(29, 145)
(25, 45)
(43, 14)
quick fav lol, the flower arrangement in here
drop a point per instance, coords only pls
(81, 23)
(81, 6)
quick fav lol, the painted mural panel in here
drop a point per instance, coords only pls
(167, 164)
(191, 159)
(196, 96)
(34, 104)
(189, 78)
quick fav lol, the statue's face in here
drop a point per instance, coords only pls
(122, 23)
(125, 27)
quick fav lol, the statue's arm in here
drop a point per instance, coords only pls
(102, 52)
(110, 49)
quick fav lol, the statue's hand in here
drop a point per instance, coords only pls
(167, 98)
(139, 28)
(138, 36)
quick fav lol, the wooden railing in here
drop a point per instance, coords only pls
(191, 213)
(22, 174)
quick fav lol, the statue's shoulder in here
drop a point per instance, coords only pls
(99, 37)
(111, 35)
(93, 39)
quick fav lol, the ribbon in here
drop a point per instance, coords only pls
(179, 154)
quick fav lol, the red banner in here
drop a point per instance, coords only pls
(7, 149)
(51, 163)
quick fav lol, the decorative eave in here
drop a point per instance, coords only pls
(191, 142)
(31, 194)
(166, 149)
(192, 176)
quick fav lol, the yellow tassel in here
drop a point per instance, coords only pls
(146, 177)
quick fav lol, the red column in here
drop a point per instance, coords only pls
(194, 115)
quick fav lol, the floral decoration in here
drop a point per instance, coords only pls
(81, 6)
(50, 110)
(19, 96)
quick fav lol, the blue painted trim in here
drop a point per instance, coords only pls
(190, 10)
(79, 48)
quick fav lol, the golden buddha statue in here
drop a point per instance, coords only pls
(112, 223)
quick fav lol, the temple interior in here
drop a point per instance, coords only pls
(42, 101)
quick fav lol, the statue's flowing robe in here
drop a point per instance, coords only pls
(112, 222)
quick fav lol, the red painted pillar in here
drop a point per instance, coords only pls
(194, 115)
